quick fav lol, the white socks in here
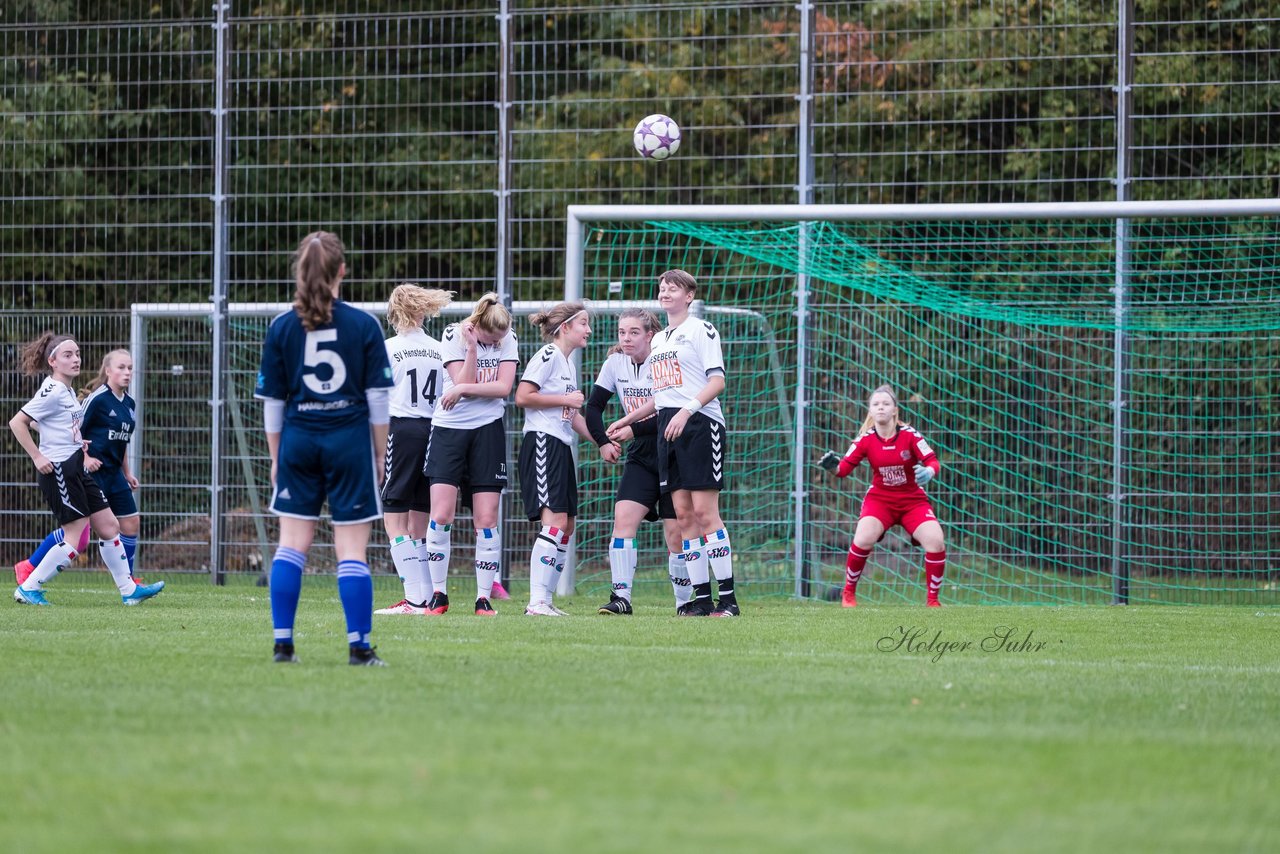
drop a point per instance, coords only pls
(404, 554)
(488, 560)
(622, 565)
(54, 560)
(680, 585)
(439, 546)
(113, 555)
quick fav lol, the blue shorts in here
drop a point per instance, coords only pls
(116, 488)
(334, 464)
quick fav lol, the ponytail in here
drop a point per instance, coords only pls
(551, 321)
(490, 315)
(35, 356)
(317, 266)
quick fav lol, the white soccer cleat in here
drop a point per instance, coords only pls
(403, 607)
(542, 609)
(559, 613)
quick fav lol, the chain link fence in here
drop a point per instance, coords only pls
(174, 152)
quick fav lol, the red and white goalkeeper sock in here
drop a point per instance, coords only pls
(935, 566)
(853, 566)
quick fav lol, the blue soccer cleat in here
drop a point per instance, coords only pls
(30, 597)
(142, 593)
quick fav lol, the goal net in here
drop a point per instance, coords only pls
(1100, 381)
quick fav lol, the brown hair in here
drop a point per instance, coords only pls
(317, 264)
(101, 378)
(680, 279)
(410, 304)
(34, 359)
(867, 423)
(553, 319)
(648, 320)
(491, 315)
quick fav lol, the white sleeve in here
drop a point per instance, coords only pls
(272, 415)
(452, 346)
(539, 367)
(44, 405)
(510, 348)
(379, 400)
(608, 377)
(708, 346)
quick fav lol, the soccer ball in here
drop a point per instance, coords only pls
(657, 137)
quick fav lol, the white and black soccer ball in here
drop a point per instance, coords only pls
(657, 137)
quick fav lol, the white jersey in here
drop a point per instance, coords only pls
(418, 371)
(57, 414)
(553, 373)
(472, 412)
(632, 383)
(682, 359)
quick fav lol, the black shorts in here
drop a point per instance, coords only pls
(406, 486)
(639, 483)
(70, 492)
(472, 460)
(547, 476)
(695, 461)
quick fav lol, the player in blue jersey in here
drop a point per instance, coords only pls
(324, 383)
(75, 499)
(108, 426)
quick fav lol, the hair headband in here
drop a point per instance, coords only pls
(567, 321)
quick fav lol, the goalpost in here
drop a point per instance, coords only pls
(218, 473)
(1099, 379)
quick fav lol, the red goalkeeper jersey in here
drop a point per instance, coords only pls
(892, 460)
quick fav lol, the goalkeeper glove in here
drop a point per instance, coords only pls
(924, 474)
(830, 461)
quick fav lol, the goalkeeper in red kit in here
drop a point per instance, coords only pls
(901, 463)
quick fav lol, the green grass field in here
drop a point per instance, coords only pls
(796, 728)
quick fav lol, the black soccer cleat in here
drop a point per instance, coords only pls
(365, 658)
(616, 605)
(726, 608)
(438, 605)
(695, 608)
(284, 654)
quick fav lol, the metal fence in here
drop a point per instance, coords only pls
(174, 152)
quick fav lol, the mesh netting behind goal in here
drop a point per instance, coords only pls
(1009, 348)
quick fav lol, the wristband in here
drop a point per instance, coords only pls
(692, 406)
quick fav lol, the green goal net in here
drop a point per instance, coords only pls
(1103, 394)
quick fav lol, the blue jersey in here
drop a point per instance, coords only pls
(108, 426)
(322, 375)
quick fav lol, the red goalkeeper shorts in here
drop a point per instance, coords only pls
(910, 511)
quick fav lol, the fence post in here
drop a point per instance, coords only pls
(804, 196)
(1124, 102)
(217, 394)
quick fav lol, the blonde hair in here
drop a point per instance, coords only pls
(409, 304)
(36, 354)
(317, 262)
(648, 320)
(490, 315)
(101, 378)
(552, 321)
(868, 424)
